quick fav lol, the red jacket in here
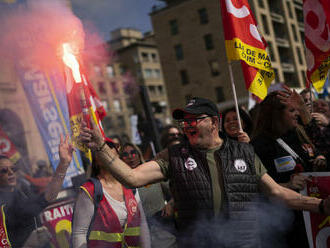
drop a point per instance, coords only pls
(106, 230)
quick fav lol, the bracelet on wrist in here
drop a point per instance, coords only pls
(101, 147)
(321, 207)
(60, 175)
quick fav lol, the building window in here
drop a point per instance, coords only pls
(145, 57)
(299, 55)
(214, 68)
(152, 90)
(178, 52)
(290, 79)
(122, 70)
(160, 89)
(299, 15)
(114, 87)
(265, 24)
(277, 80)
(220, 95)
(271, 51)
(184, 77)
(107, 123)
(110, 71)
(203, 17)
(157, 73)
(208, 42)
(289, 9)
(121, 121)
(117, 106)
(302, 36)
(102, 88)
(174, 27)
(261, 3)
(154, 57)
(147, 73)
(294, 31)
(97, 70)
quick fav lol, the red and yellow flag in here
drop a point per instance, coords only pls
(243, 42)
(83, 101)
(7, 148)
(317, 40)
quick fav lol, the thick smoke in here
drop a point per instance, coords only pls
(38, 29)
(273, 221)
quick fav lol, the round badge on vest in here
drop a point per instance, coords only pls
(190, 164)
(240, 165)
(132, 206)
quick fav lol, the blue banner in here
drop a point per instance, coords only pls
(46, 94)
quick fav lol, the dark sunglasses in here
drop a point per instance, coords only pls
(133, 153)
(6, 170)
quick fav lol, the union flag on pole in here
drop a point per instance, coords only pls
(317, 41)
(244, 43)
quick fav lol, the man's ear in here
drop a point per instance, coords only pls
(215, 120)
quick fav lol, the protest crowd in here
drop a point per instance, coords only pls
(203, 190)
(224, 177)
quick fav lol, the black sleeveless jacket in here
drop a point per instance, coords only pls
(192, 188)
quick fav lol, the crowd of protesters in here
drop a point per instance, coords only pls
(209, 177)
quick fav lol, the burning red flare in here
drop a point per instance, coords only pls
(70, 60)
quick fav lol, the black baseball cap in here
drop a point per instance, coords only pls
(196, 106)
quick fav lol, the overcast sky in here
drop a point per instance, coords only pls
(107, 15)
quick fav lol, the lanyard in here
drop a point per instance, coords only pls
(288, 149)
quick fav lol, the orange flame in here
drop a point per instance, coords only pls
(70, 60)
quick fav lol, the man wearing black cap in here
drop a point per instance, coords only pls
(212, 180)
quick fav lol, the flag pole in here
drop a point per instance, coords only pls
(235, 96)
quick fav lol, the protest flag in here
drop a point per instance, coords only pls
(83, 101)
(243, 42)
(317, 41)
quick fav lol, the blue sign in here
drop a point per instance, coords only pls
(46, 94)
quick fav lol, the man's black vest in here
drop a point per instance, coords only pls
(192, 188)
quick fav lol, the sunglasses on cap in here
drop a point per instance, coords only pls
(5, 170)
(132, 153)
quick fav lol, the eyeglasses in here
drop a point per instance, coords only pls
(132, 153)
(5, 170)
(192, 121)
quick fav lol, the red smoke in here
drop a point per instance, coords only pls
(38, 31)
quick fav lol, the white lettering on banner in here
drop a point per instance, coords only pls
(322, 237)
(4, 145)
(4, 242)
(237, 12)
(314, 34)
(48, 111)
(57, 213)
